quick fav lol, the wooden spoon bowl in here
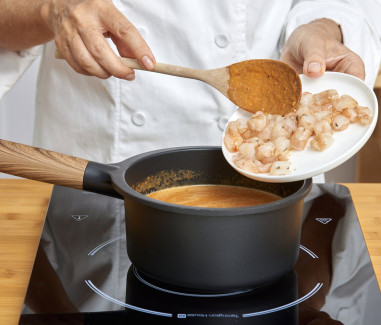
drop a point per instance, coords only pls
(264, 85)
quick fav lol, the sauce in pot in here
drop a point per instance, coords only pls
(214, 196)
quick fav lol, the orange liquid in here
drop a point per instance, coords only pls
(214, 196)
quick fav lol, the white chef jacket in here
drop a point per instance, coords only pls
(111, 120)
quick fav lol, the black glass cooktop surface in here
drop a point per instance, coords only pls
(82, 274)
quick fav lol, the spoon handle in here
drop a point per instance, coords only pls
(217, 78)
(169, 69)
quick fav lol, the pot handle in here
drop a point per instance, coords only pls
(56, 168)
(41, 165)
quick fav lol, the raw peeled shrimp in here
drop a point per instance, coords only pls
(350, 113)
(265, 133)
(279, 131)
(306, 100)
(300, 138)
(280, 168)
(290, 123)
(364, 115)
(282, 148)
(340, 122)
(247, 149)
(307, 121)
(325, 97)
(322, 141)
(343, 102)
(255, 140)
(247, 164)
(252, 166)
(322, 126)
(324, 115)
(233, 138)
(241, 125)
(262, 167)
(303, 110)
(258, 121)
(266, 152)
(282, 144)
(243, 128)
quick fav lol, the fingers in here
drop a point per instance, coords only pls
(65, 53)
(314, 54)
(288, 57)
(305, 52)
(333, 56)
(81, 41)
(128, 40)
(348, 62)
(100, 55)
(80, 59)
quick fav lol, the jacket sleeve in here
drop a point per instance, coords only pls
(13, 65)
(358, 23)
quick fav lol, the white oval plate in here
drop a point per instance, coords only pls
(309, 162)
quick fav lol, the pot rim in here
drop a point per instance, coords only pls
(128, 192)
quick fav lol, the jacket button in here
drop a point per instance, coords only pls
(222, 123)
(138, 118)
(222, 40)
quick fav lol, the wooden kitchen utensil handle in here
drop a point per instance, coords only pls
(173, 70)
(164, 68)
(41, 164)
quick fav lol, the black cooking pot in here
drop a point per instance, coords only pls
(203, 249)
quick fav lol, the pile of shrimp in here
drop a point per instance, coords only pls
(263, 143)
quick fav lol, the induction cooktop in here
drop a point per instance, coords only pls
(82, 274)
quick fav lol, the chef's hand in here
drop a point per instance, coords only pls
(80, 27)
(316, 47)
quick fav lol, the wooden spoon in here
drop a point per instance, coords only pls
(254, 85)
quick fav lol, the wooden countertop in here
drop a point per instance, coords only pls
(23, 205)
